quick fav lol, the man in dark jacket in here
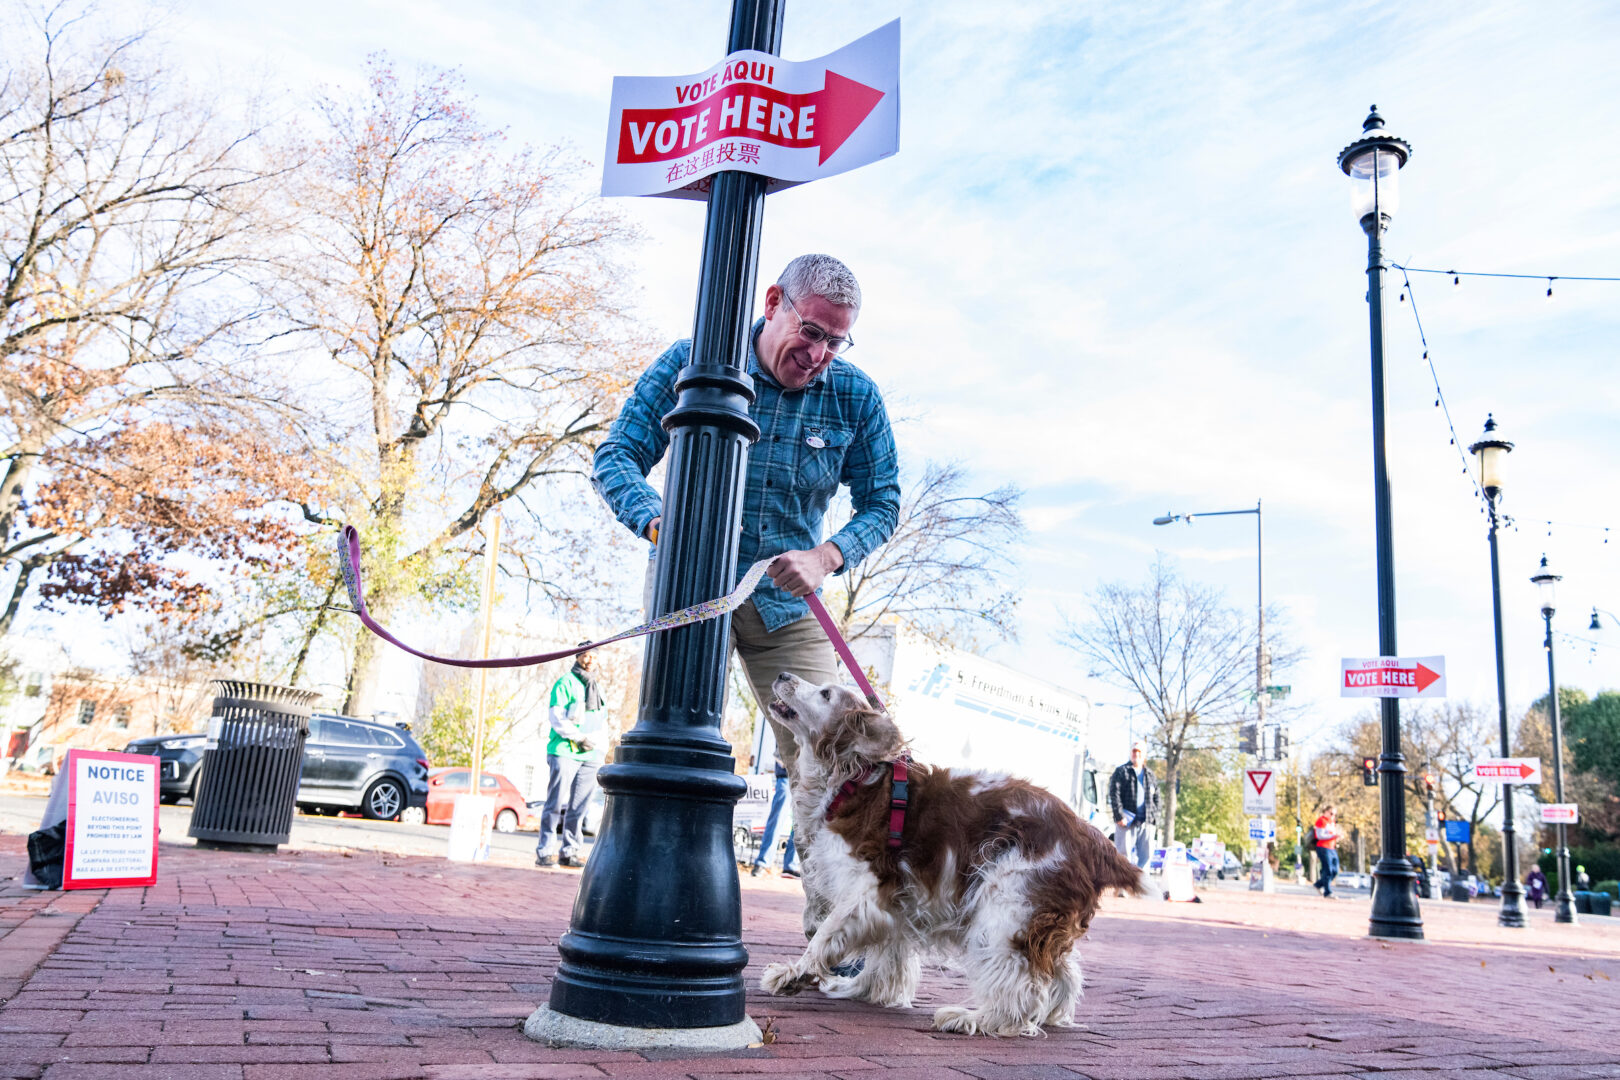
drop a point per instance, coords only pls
(1133, 800)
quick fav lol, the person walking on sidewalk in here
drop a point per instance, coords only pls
(1535, 883)
(779, 798)
(1327, 855)
(1133, 799)
(574, 750)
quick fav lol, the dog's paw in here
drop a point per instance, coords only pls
(958, 1019)
(781, 979)
(839, 986)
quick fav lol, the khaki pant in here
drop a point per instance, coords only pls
(800, 648)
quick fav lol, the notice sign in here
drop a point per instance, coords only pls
(112, 820)
(1394, 676)
(1259, 791)
(1508, 770)
(1560, 813)
(754, 112)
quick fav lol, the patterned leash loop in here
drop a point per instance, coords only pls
(349, 561)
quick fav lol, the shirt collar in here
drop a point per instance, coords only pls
(757, 370)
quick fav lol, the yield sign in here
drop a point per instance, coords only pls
(1394, 677)
(1508, 770)
(1259, 791)
(754, 112)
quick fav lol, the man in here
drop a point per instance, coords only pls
(1133, 799)
(779, 798)
(1327, 855)
(822, 423)
(574, 751)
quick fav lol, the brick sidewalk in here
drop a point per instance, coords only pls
(369, 967)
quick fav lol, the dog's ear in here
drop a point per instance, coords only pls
(873, 736)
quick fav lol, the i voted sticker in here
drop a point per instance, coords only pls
(816, 441)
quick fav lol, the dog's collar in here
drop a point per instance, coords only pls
(899, 796)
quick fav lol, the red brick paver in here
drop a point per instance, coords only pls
(311, 965)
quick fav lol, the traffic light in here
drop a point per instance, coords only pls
(1280, 748)
(1249, 739)
(1369, 771)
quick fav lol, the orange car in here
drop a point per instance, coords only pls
(511, 811)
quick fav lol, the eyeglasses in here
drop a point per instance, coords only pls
(815, 335)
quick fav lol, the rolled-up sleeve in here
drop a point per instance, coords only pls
(872, 471)
(636, 442)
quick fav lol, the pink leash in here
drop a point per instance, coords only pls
(349, 562)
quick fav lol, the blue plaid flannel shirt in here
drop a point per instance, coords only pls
(834, 431)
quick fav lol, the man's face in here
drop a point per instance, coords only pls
(585, 660)
(783, 351)
(1136, 757)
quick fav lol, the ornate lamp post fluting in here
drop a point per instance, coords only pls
(1492, 451)
(1373, 163)
(1546, 582)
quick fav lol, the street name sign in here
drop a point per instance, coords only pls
(112, 820)
(1394, 677)
(1259, 791)
(1560, 813)
(754, 112)
(1511, 770)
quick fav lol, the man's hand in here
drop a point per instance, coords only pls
(801, 572)
(652, 528)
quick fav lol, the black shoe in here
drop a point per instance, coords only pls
(545, 860)
(790, 873)
(754, 871)
(571, 862)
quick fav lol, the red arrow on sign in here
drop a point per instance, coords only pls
(1419, 677)
(1496, 772)
(753, 112)
(1258, 779)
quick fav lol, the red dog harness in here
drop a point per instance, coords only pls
(899, 795)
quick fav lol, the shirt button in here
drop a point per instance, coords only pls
(776, 438)
(767, 483)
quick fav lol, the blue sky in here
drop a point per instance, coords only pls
(1114, 263)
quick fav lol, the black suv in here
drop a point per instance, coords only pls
(179, 756)
(378, 769)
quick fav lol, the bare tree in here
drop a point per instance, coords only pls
(128, 222)
(944, 571)
(467, 301)
(1183, 651)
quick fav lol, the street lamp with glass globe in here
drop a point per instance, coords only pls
(1546, 582)
(1492, 450)
(1373, 163)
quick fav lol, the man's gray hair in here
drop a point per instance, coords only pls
(823, 276)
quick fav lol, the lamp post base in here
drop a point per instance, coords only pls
(1395, 911)
(561, 1030)
(1512, 913)
(1564, 908)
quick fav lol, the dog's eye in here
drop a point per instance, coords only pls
(826, 695)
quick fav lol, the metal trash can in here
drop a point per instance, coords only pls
(250, 766)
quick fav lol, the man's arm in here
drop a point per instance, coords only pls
(635, 443)
(872, 471)
(1114, 806)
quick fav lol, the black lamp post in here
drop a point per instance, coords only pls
(656, 936)
(1597, 624)
(1546, 582)
(1373, 163)
(1492, 451)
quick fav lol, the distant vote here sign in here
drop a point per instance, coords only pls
(754, 112)
(112, 820)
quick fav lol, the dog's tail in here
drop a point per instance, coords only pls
(1121, 873)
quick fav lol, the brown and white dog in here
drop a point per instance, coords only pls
(991, 872)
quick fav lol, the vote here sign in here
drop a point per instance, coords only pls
(112, 820)
(754, 112)
(1394, 677)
